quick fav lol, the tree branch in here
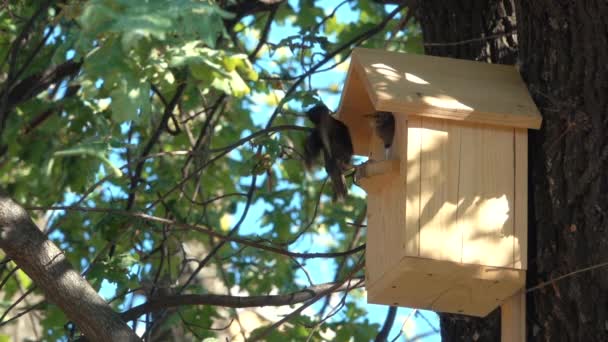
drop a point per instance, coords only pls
(50, 270)
(34, 84)
(135, 177)
(357, 39)
(388, 324)
(239, 301)
(348, 281)
(265, 32)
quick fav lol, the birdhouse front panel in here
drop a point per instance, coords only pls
(467, 173)
(447, 226)
(447, 203)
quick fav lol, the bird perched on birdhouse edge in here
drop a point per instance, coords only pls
(384, 125)
(331, 137)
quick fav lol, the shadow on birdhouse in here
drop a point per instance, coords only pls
(447, 206)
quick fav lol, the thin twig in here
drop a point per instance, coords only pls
(206, 230)
(473, 40)
(567, 275)
(348, 279)
(265, 33)
(412, 314)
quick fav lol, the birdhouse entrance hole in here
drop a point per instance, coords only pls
(447, 211)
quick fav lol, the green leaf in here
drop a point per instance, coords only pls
(130, 98)
(95, 149)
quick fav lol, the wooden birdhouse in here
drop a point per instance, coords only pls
(447, 206)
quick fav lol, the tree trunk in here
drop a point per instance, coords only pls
(563, 54)
(481, 30)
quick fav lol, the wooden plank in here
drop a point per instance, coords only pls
(513, 318)
(520, 222)
(376, 145)
(486, 195)
(354, 103)
(376, 168)
(387, 229)
(446, 286)
(373, 176)
(410, 169)
(446, 88)
(375, 265)
(440, 236)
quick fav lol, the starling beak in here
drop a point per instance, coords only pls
(384, 125)
(331, 137)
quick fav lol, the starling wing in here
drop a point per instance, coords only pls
(338, 181)
(341, 144)
(312, 147)
(331, 137)
(337, 160)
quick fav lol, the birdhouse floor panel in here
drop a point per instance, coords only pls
(445, 286)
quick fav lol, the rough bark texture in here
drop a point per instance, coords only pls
(479, 30)
(564, 59)
(563, 54)
(476, 30)
(42, 261)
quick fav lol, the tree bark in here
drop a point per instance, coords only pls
(42, 261)
(482, 30)
(562, 54)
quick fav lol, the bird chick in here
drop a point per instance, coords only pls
(384, 126)
(332, 138)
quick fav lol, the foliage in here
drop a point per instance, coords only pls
(152, 118)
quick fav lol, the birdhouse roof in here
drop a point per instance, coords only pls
(428, 86)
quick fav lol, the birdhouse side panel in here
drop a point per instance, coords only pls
(389, 238)
(385, 230)
(440, 235)
(410, 165)
(520, 221)
(354, 104)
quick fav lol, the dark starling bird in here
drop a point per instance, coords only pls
(330, 137)
(384, 125)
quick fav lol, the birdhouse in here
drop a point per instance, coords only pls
(447, 205)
